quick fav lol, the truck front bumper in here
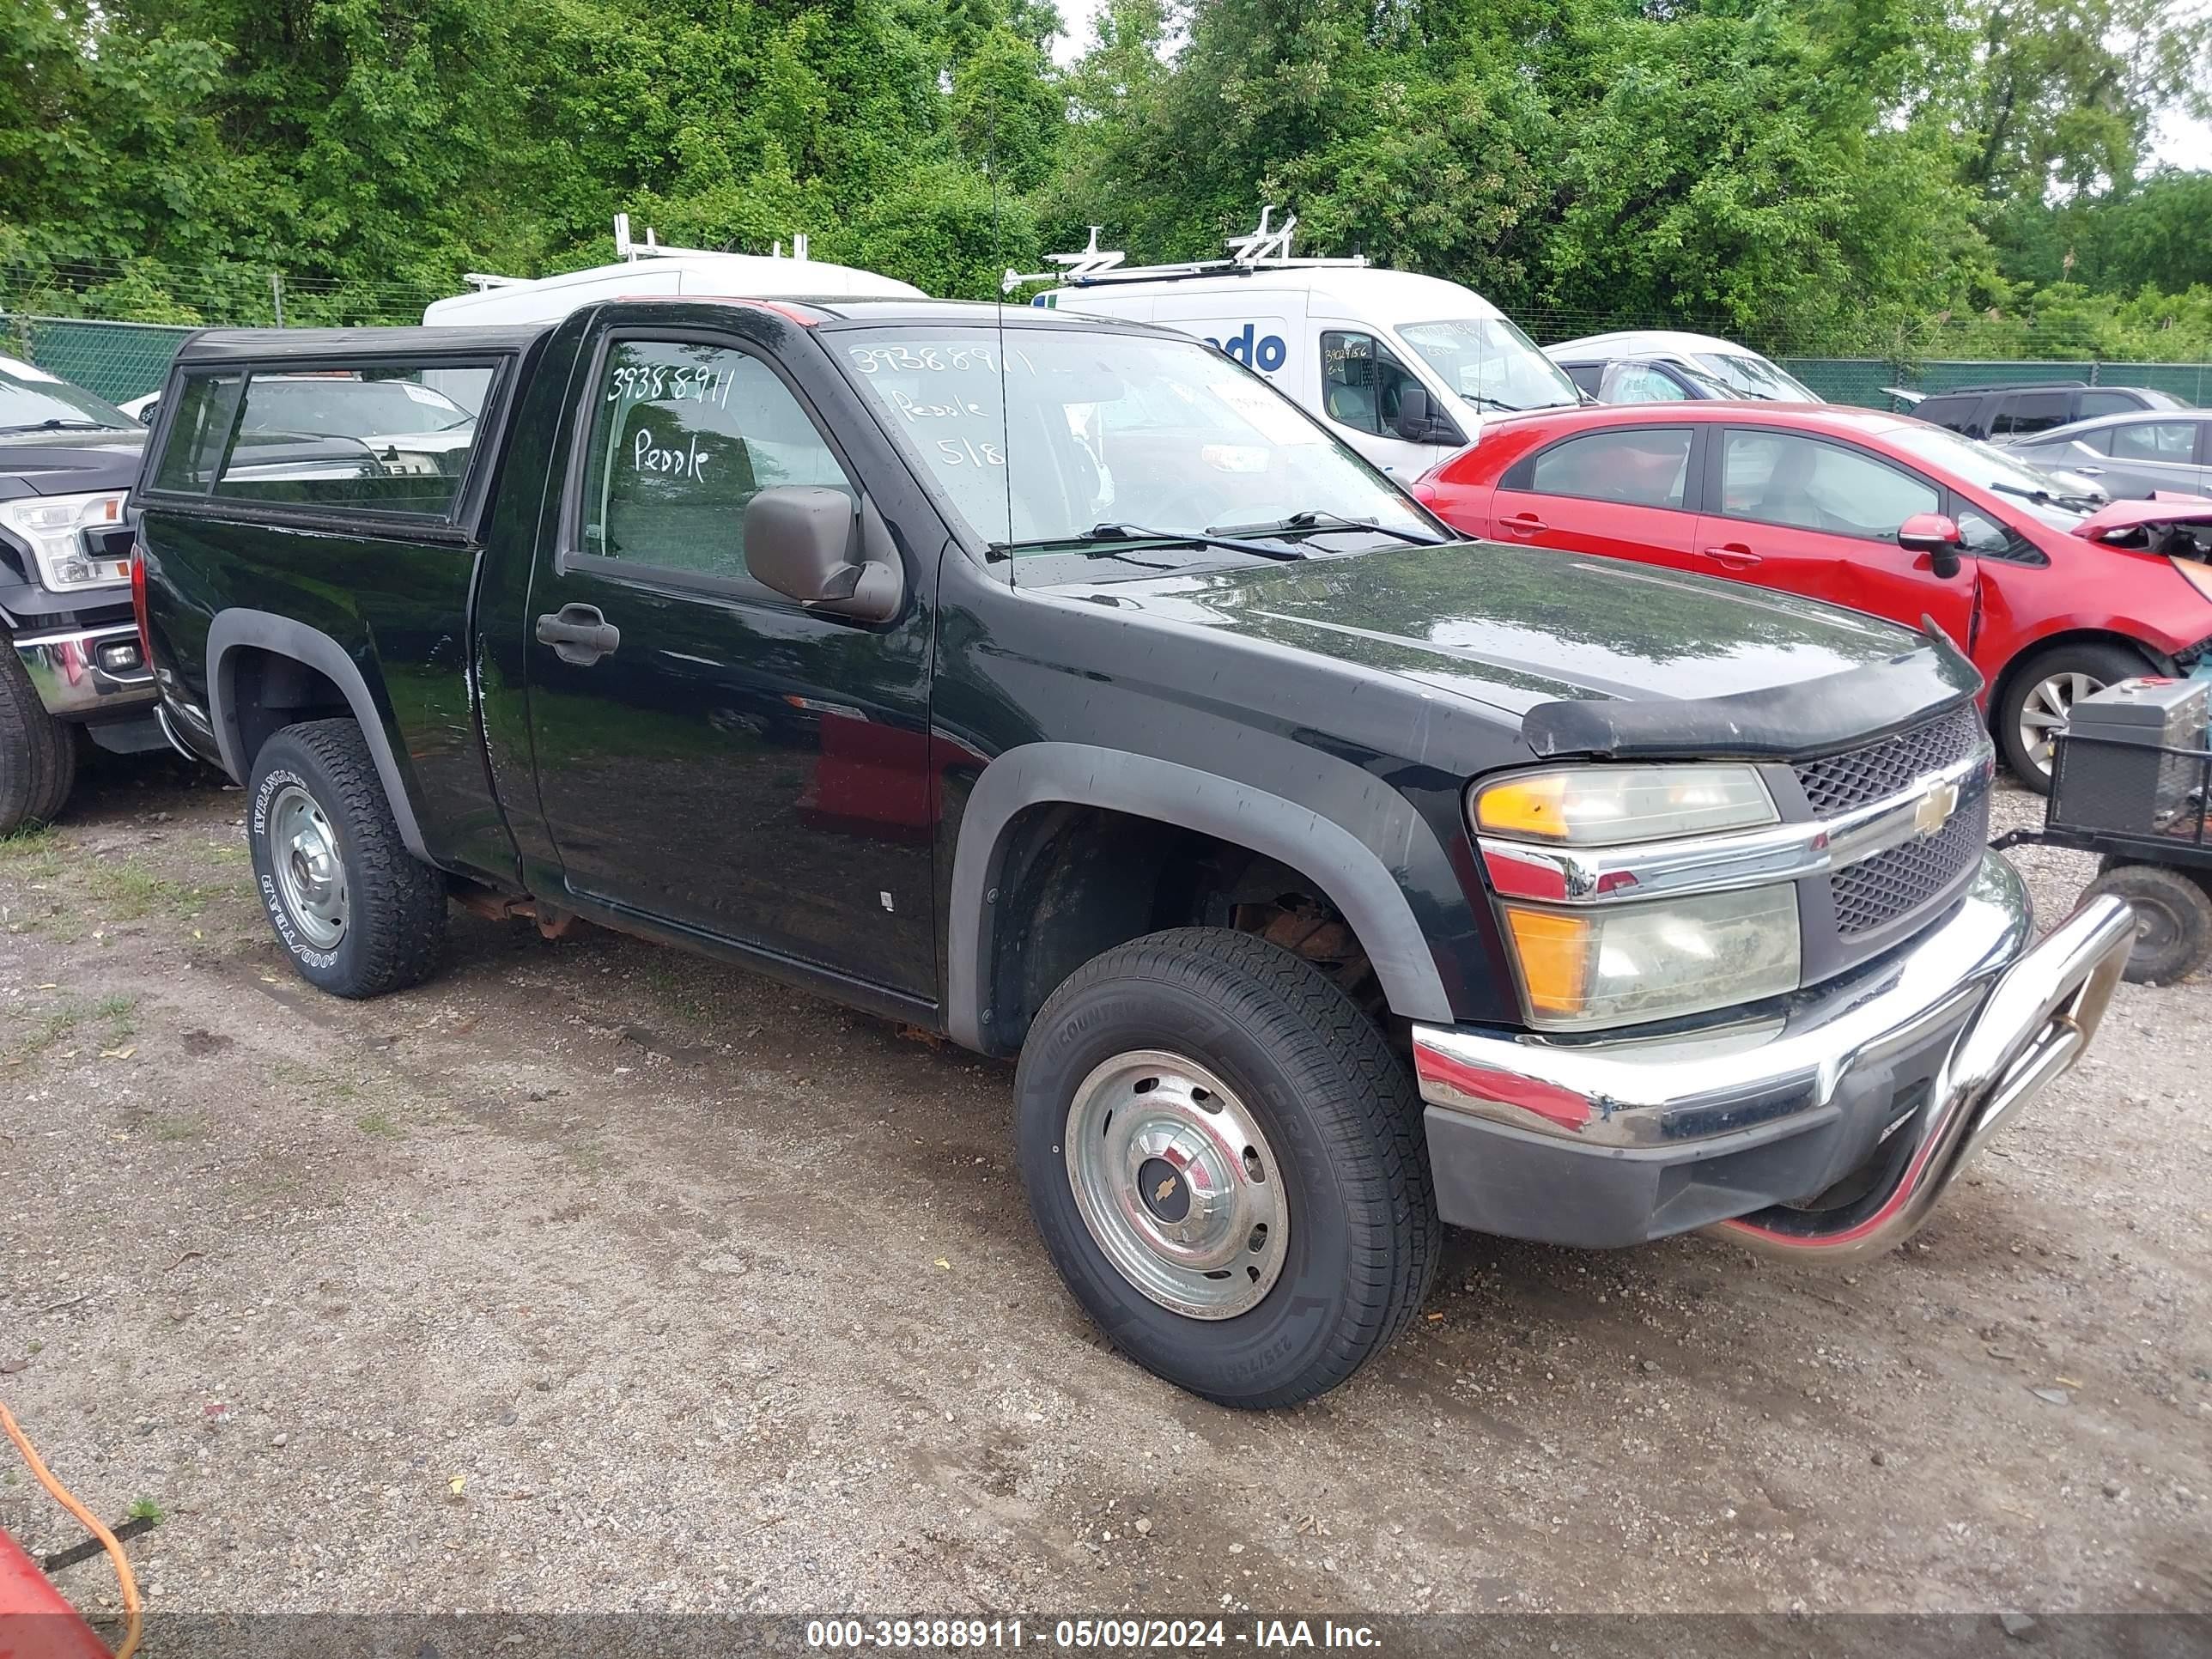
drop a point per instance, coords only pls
(1829, 1128)
(88, 673)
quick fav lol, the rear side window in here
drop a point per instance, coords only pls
(2155, 440)
(2032, 411)
(1956, 413)
(383, 439)
(1639, 466)
(200, 434)
(2094, 404)
(684, 435)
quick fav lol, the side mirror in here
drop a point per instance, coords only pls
(1417, 421)
(810, 544)
(1936, 535)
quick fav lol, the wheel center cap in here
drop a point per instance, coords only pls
(1164, 1190)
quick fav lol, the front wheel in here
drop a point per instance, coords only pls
(1226, 1161)
(359, 914)
(37, 753)
(2038, 702)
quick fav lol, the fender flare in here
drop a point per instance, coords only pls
(284, 637)
(1345, 868)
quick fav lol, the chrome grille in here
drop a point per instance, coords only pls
(1875, 892)
(1839, 782)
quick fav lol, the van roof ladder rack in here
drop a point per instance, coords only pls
(652, 247)
(1268, 247)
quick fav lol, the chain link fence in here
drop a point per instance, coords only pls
(120, 361)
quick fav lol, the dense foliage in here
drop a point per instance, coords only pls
(1822, 174)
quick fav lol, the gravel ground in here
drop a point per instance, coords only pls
(592, 1276)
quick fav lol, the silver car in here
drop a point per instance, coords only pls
(2130, 456)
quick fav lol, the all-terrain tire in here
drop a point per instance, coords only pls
(37, 753)
(1337, 1109)
(393, 925)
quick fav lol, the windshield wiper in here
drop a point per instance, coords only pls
(2044, 498)
(1311, 523)
(62, 426)
(1106, 536)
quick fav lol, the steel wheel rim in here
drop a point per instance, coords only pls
(1178, 1184)
(2048, 710)
(2157, 927)
(310, 875)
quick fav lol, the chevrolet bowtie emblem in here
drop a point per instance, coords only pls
(1934, 810)
(1165, 1190)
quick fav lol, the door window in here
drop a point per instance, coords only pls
(2032, 411)
(1587, 377)
(1777, 478)
(1643, 383)
(2172, 441)
(1644, 467)
(1361, 382)
(684, 435)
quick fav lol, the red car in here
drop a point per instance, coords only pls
(1877, 511)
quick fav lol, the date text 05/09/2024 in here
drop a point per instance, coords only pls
(1115, 1635)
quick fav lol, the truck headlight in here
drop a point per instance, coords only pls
(1607, 806)
(1616, 964)
(54, 525)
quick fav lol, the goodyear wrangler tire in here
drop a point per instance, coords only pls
(358, 913)
(1226, 1161)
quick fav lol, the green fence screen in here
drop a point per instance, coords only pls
(1867, 380)
(120, 361)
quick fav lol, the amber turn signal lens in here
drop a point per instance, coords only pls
(1555, 954)
(1531, 806)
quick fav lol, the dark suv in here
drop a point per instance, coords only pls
(2013, 411)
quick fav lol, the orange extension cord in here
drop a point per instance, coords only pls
(61, 1495)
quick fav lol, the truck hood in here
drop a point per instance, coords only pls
(70, 462)
(1593, 655)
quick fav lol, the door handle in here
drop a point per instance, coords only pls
(579, 635)
(2088, 472)
(1733, 555)
(1524, 524)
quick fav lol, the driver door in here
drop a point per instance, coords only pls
(712, 756)
(1807, 515)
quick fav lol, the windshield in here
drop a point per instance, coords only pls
(1087, 430)
(31, 398)
(1992, 469)
(1745, 375)
(346, 407)
(1491, 363)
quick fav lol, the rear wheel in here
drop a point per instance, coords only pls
(1226, 1161)
(359, 914)
(2038, 702)
(37, 753)
(2174, 920)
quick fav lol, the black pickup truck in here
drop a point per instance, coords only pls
(1053, 683)
(71, 658)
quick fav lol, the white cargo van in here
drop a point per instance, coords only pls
(650, 269)
(1402, 366)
